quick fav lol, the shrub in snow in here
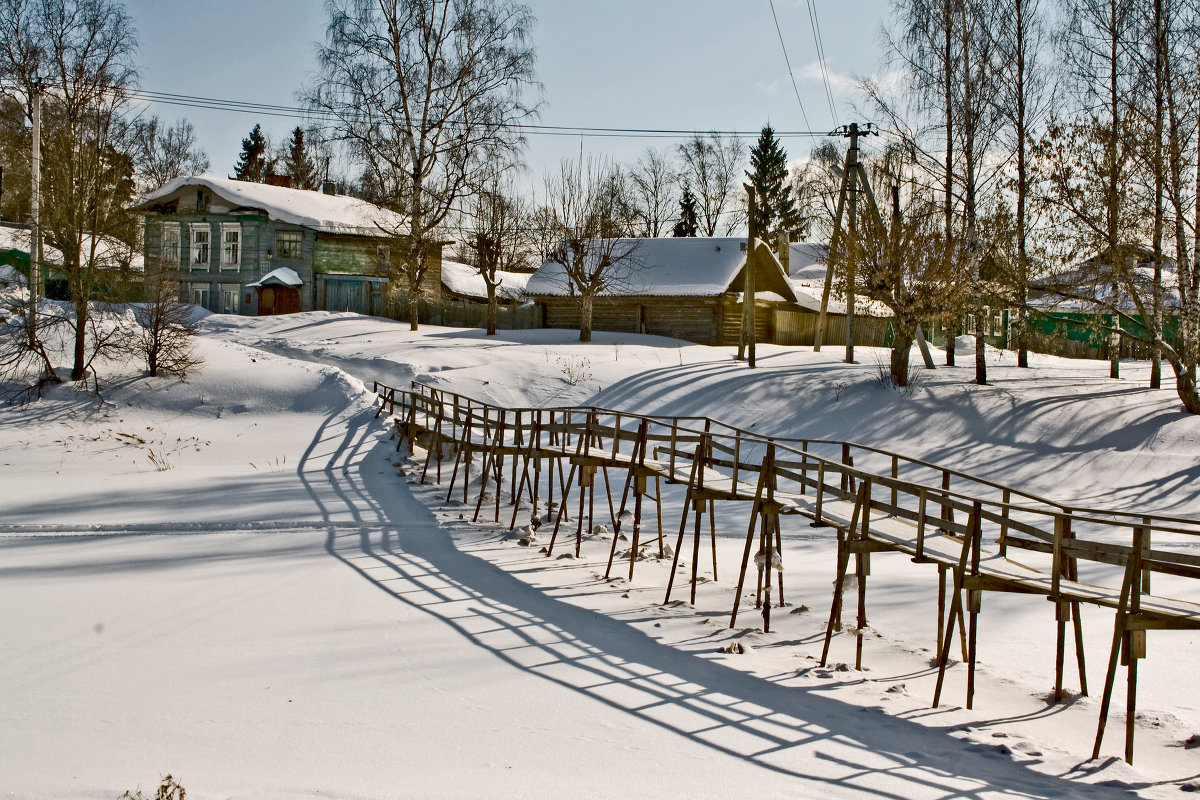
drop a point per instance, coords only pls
(575, 368)
(167, 327)
(169, 789)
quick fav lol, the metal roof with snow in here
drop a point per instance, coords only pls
(677, 267)
(284, 276)
(465, 280)
(307, 208)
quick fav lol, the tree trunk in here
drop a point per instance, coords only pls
(491, 310)
(1159, 101)
(1022, 188)
(980, 352)
(901, 349)
(1185, 386)
(79, 367)
(585, 318)
(414, 305)
(1021, 327)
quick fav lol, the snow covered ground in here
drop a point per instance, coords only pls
(236, 580)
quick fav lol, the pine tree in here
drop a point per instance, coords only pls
(689, 222)
(253, 164)
(299, 164)
(769, 176)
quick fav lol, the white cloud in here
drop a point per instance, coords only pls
(839, 83)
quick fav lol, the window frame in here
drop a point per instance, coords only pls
(294, 241)
(236, 229)
(195, 262)
(170, 256)
(227, 291)
(204, 291)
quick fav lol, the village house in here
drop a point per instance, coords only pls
(691, 288)
(686, 288)
(225, 237)
(119, 263)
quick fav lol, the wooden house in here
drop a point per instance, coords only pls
(686, 288)
(1073, 310)
(223, 235)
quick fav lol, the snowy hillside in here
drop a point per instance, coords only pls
(236, 580)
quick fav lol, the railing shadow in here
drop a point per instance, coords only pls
(792, 731)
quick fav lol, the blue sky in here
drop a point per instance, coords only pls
(670, 64)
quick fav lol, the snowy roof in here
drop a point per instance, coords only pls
(10, 274)
(284, 276)
(14, 239)
(804, 255)
(1089, 284)
(673, 267)
(465, 280)
(310, 209)
(808, 295)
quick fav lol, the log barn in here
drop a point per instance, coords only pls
(685, 288)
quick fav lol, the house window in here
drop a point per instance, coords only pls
(197, 294)
(230, 294)
(200, 241)
(231, 245)
(168, 244)
(287, 244)
(383, 254)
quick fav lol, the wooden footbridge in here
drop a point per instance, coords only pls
(871, 499)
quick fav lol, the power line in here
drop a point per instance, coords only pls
(296, 112)
(788, 61)
(819, 41)
(305, 114)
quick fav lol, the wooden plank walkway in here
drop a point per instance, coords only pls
(885, 502)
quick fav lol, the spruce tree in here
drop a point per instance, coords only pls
(253, 164)
(769, 177)
(299, 165)
(689, 222)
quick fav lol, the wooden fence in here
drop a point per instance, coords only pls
(798, 328)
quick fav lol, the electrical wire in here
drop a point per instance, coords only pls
(268, 109)
(788, 61)
(300, 113)
(819, 41)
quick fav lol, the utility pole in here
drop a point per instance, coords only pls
(749, 317)
(36, 280)
(848, 201)
(852, 224)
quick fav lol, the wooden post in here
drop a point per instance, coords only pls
(37, 282)
(851, 270)
(974, 596)
(834, 238)
(749, 321)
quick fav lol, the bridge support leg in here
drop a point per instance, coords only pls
(835, 608)
(562, 508)
(745, 561)
(687, 504)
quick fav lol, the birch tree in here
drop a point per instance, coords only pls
(496, 232)
(427, 95)
(712, 167)
(588, 218)
(652, 181)
(78, 54)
